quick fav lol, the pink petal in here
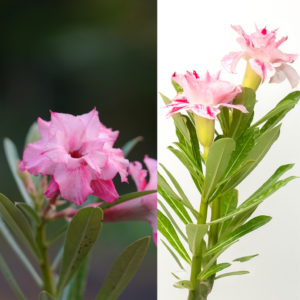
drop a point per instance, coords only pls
(96, 160)
(91, 123)
(138, 175)
(205, 111)
(235, 106)
(289, 72)
(43, 128)
(264, 70)
(52, 189)
(258, 53)
(73, 184)
(278, 43)
(173, 108)
(152, 167)
(105, 190)
(223, 91)
(230, 61)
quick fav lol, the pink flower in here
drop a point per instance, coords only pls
(261, 49)
(140, 209)
(202, 95)
(78, 152)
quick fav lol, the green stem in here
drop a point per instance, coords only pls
(196, 261)
(45, 263)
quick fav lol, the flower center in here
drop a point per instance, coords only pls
(76, 154)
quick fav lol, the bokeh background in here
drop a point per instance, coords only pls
(72, 56)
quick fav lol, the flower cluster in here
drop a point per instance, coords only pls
(78, 152)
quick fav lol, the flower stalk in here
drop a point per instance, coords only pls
(251, 78)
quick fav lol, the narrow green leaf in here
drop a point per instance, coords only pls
(20, 253)
(123, 270)
(166, 228)
(33, 134)
(12, 157)
(10, 278)
(228, 203)
(174, 256)
(213, 259)
(172, 220)
(178, 120)
(232, 274)
(250, 226)
(195, 235)
(29, 211)
(177, 207)
(184, 284)
(127, 197)
(18, 223)
(214, 269)
(130, 145)
(82, 233)
(177, 87)
(257, 153)
(57, 235)
(175, 276)
(245, 258)
(45, 296)
(216, 164)
(239, 119)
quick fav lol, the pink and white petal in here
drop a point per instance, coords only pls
(264, 70)
(43, 128)
(180, 98)
(116, 163)
(223, 91)
(277, 56)
(105, 190)
(278, 77)
(96, 160)
(175, 107)
(181, 79)
(258, 53)
(278, 43)
(216, 76)
(242, 108)
(52, 189)
(230, 61)
(73, 184)
(108, 133)
(91, 123)
(152, 167)
(205, 111)
(36, 163)
(57, 148)
(138, 175)
(242, 33)
(291, 74)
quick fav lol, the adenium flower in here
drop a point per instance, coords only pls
(143, 208)
(261, 49)
(78, 152)
(202, 95)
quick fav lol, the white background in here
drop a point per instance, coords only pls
(196, 35)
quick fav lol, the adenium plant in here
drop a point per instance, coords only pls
(219, 161)
(67, 172)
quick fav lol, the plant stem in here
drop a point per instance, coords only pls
(45, 263)
(196, 261)
(251, 79)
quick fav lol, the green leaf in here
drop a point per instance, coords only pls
(33, 134)
(123, 270)
(20, 253)
(216, 164)
(195, 235)
(29, 211)
(187, 164)
(174, 255)
(224, 120)
(228, 204)
(214, 269)
(127, 197)
(176, 206)
(184, 284)
(77, 284)
(273, 121)
(130, 145)
(172, 220)
(12, 157)
(250, 226)
(45, 296)
(57, 235)
(166, 228)
(82, 233)
(162, 183)
(178, 120)
(232, 274)
(177, 186)
(257, 154)
(177, 87)
(245, 258)
(19, 224)
(239, 119)
(213, 259)
(10, 278)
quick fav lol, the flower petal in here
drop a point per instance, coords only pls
(230, 61)
(91, 123)
(242, 108)
(152, 167)
(138, 175)
(288, 72)
(43, 128)
(52, 189)
(264, 70)
(205, 111)
(105, 190)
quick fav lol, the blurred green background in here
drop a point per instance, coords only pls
(72, 56)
